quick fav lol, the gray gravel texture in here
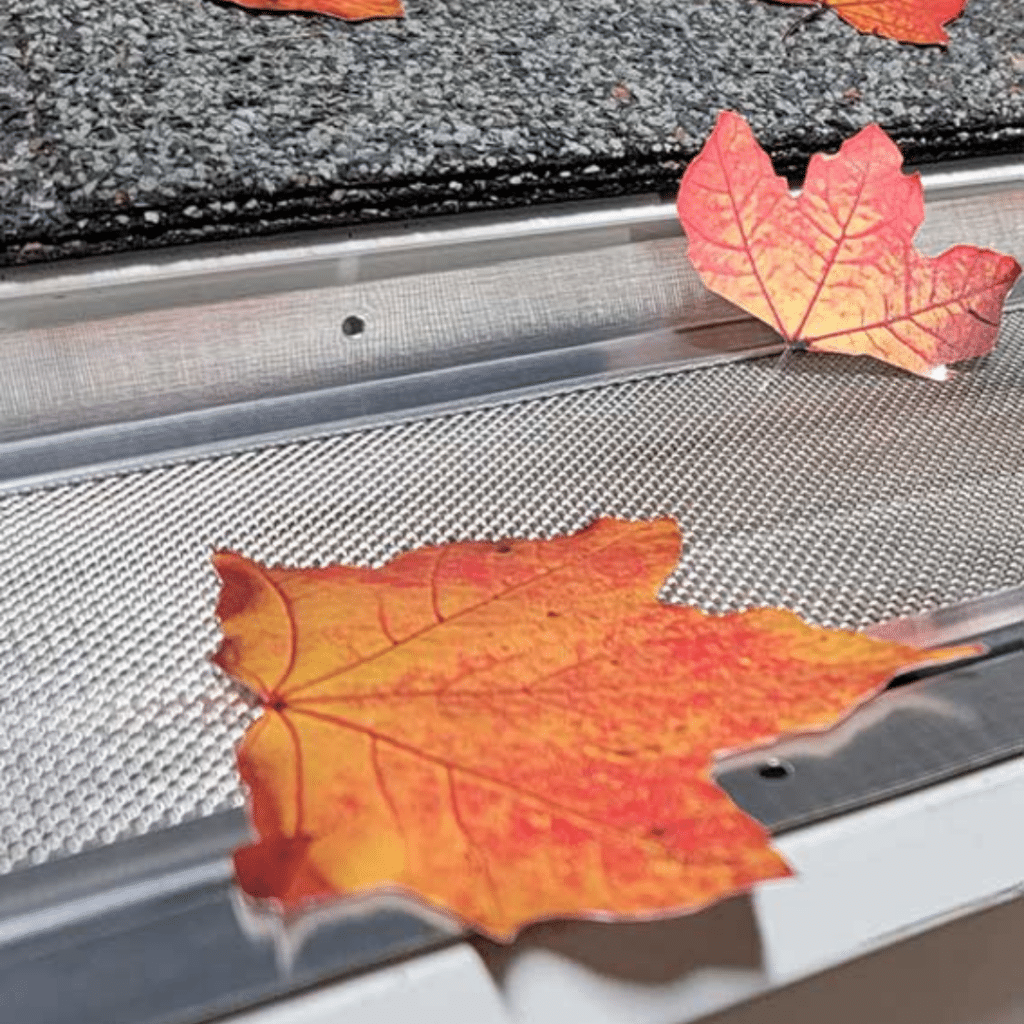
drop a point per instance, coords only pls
(133, 123)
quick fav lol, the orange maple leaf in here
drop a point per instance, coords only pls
(516, 731)
(909, 21)
(835, 268)
(347, 10)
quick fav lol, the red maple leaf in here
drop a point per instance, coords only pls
(835, 268)
(519, 730)
(909, 21)
(347, 10)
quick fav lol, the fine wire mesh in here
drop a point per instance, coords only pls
(839, 488)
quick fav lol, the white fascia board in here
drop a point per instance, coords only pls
(443, 987)
(863, 881)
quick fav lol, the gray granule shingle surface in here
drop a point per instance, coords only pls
(132, 123)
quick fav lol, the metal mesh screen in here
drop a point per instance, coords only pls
(839, 488)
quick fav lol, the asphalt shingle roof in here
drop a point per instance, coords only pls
(129, 123)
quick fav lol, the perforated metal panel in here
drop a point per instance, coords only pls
(839, 488)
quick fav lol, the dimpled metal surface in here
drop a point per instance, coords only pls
(839, 488)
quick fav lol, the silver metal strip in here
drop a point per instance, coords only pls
(907, 738)
(216, 273)
(184, 954)
(43, 461)
(944, 626)
(951, 721)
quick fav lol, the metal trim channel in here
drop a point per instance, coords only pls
(52, 459)
(114, 285)
(908, 738)
(125, 965)
(953, 721)
(974, 618)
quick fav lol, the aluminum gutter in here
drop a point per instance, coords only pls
(141, 903)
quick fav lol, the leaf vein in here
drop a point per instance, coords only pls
(599, 827)
(370, 658)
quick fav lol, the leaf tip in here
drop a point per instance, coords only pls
(238, 584)
(257, 633)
